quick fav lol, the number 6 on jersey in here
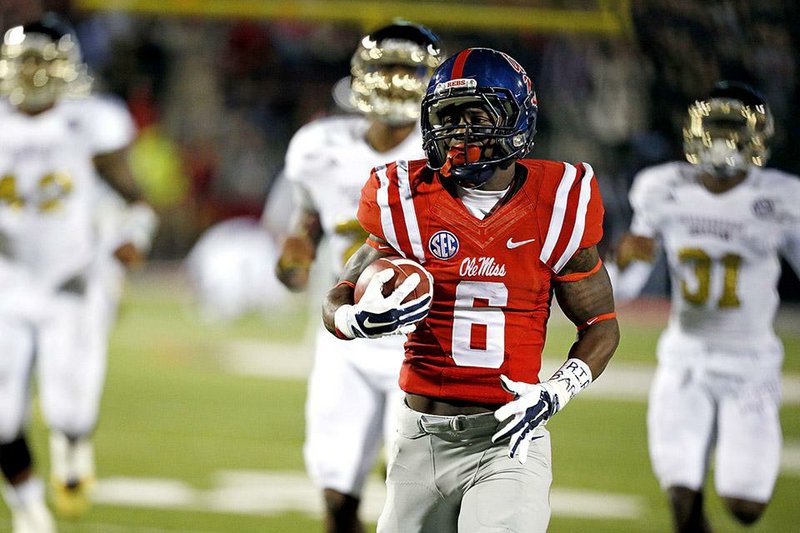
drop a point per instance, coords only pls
(479, 324)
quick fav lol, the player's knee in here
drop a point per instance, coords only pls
(746, 512)
(15, 460)
(75, 427)
(8, 431)
(11, 421)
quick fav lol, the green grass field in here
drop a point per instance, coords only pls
(172, 413)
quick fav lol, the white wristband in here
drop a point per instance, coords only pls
(342, 319)
(573, 376)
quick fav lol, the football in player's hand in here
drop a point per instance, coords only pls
(403, 268)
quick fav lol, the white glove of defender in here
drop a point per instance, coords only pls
(138, 226)
(376, 315)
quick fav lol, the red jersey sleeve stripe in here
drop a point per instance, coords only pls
(580, 218)
(382, 198)
(409, 212)
(558, 214)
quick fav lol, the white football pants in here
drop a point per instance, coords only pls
(353, 396)
(67, 351)
(694, 411)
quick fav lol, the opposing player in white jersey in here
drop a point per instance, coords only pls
(57, 288)
(353, 390)
(723, 221)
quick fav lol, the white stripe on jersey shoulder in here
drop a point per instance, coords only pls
(409, 213)
(559, 211)
(580, 218)
(382, 197)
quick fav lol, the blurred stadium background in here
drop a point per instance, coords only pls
(202, 422)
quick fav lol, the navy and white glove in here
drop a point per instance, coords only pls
(535, 404)
(376, 315)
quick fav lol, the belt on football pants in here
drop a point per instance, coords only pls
(482, 423)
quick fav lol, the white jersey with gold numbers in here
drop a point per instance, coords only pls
(328, 161)
(48, 183)
(723, 252)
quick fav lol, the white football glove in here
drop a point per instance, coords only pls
(535, 404)
(138, 226)
(376, 315)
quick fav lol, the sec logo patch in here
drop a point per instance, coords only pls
(443, 245)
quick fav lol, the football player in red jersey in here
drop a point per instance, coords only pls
(352, 389)
(501, 234)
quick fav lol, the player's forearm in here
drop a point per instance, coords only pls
(338, 296)
(294, 264)
(114, 168)
(589, 303)
(628, 283)
(300, 246)
(342, 293)
(634, 247)
(596, 345)
(299, 250)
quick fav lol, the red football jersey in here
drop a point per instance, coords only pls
(492, 277)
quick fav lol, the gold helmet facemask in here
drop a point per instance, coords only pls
(390, 71)
(725, 136)
(39, 64)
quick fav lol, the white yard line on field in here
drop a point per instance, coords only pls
(269, 360)
(271, 493)
(97, 527)
(263, 493)
(620, 381)
(790, 458)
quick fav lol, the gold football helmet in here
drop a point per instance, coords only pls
(390, 70)
(729, 131)
(40, 63)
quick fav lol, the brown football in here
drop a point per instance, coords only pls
(403, 268)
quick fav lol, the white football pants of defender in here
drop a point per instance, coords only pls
(68, 347)
(353, 396)
(446, 476)
(694, 409)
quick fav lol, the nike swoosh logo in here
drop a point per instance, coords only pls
(370, 324)
(510, 244)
